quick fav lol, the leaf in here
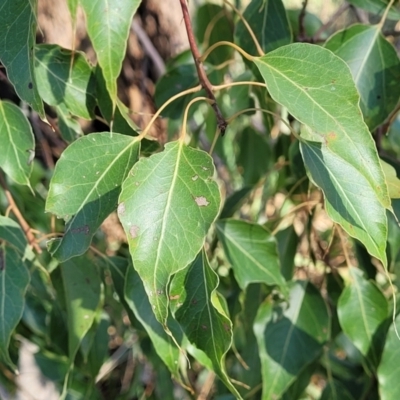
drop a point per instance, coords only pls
(12, 233)
(81, 283)
(108, 25)
(65, 82)
(14, 280)
(138, 302)
(290, 338)
(388, 371)
(85, 187)
(392, 181)
(287, 242)
(362, 310)
(235, 201)
(17, 143)
(18, 22)
(195, 306)
(73, 8)
(252, 251)
(69, 127)
(270, 24)
(318, 90)
(335, 390)
(166, 207)
(377, 7)
(368, 54)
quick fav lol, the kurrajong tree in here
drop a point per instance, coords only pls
(261, 246)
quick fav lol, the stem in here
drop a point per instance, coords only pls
(385, 14)
(159, 111)
(248, 27)
(302, 15)
(228, 85)
(185, 115)
(204, 82)
(24, 225)
(225, 43)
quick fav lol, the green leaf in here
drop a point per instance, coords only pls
(17, 143)
(138, 302)
(252, 251)
(362, 310)
(196, 307)
(12, 233)
(65, 82)
(392, 181)
(167, 205)
(81, 281)
(253, 146)
(377, 7)
(388, 371)
(287, 241)
(108, 25)
(85, 187)
(368, 54)
(290, 338)
(69, 127)
(73, 8)
(213, 23)
(18, 22)
(317, 89)
(14, 280)
(270, 24)
(335, 390)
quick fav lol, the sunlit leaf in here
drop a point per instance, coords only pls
(14, 280)
(252, 251)
(362, 310)
(166, 207)
(108, 25)
(64, 84)
(17, 143)
(388, 371)
(85, 187)
(369, 54)
(290, 338)
(317, 88)
(393, 182)
(270, 24)
(81, 281)
(18, 22)
(194, 303)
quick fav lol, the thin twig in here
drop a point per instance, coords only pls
(208, 384)
(204, 82)
(302, 31)
(14, 208)
(331, 20)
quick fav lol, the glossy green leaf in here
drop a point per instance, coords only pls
(14, 280)
(85, 187)
(70, 128)
(194, 303)
(290, 338)
(388, 371)
(213, 23)
(252, 251)
(17, 143)
(317, 88)
(18, 22)
(81, 281)
(377, 7)
(60, 85)
(13, 234)
(270, 24)
(368, 54)
(166, 207)
(393, 182)
(108, 25)
(136, 297)
(362, 309)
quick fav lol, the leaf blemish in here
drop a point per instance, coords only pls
(134, 231)
(30, 85)
(204, 327)
(194, 178)
(205, 168)
(121, 208)
(81, 229)
(201, 201)
(174, 297)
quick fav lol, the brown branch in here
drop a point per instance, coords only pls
(302, 31)
(14, 208)
(204, 82)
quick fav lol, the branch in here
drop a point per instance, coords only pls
(204, 82)
(302, 31)
(14, 208)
